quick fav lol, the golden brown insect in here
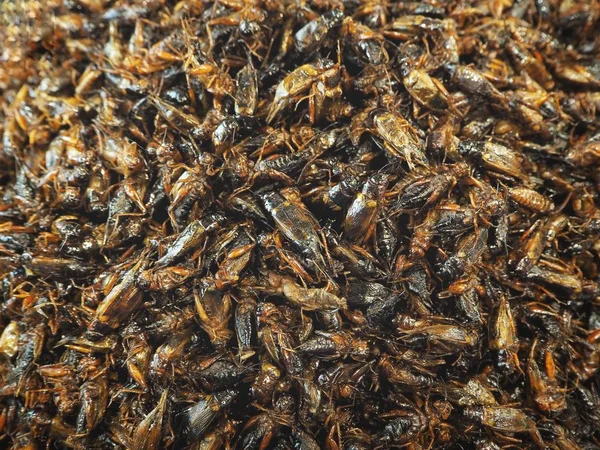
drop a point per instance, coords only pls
(148, 433)
(120, 301)
(361, 217)
(307, 78)
(524, 60)
(505, 420)
(495, 157)
(548, 396)
(312, 299)
(426, 90)
(163, 279)
(399, 138)
(199, 416)
(336, 344)
(435, 331)
(409, 26)
(473, 82)
(531, 199)
(139, 354)
(503, 335)
(246, 95)
(214, 311)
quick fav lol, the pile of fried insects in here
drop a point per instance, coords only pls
(300, 224)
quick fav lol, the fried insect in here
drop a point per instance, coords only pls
(361, 217)
(311, 299)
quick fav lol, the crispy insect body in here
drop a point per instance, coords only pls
(404, 429)
(399, 138)
(296, 223)
(122, 155)
(408, 26)
(50, 267)
(473, 82)
(229, 129)
(358, 263)
(387, 238)
(336, 345)
(427, 189)
(553, 227)
(419, 243)
(467, 298)
(505, 420)
(547, 395)
(190, 238)
(162, 280)
(94, 400)
(442, 138)
(244, 327)
(311, 34)
(434, 331)
(297, 82)
(147, 434)
(310, 299)
(168, 355)
(585, 153)
(570, 72)
(366, 43)
(531, 199)
(290, 163)
(568, 283)
(402, 376)
(198, 417)
(214, 313)
(366, 293)
(342, 193)
(9, 340)
(474, 393)
(120, 301)
(503, 335)
(246, 94)
(138, 360)
(220, 438)
(424, 90)
(361, 217)
(31, 344)
(233, 264)
(179, 119)
(264, 383)
(381, 311)
(189, 191)
(523, 60)
(220, 374)
(260, 430)
(494, 157)
(530, 251)
(453, 219)
(468, 252)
